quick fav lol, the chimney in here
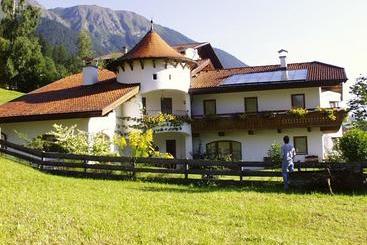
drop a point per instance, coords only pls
(90, 72)
(283, 64)
(283, 58)
(124, 50)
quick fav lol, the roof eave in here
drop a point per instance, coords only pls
(262, 86)
(51, 116)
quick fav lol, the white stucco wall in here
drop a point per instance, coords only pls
(153, 101)
(192, 54)
(181, 153)
(33, 129)
(255, 147)
(268, 100)
(328, 96)
(131, 108)
(180, 76)
(36, 128)
(328, 140)
(106, 125)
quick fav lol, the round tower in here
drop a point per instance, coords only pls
(164, 76)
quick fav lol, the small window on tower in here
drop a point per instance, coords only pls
(155, 76)
(169, 76)
(334, 104)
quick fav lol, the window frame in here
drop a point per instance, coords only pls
(304, 100)
(334, 104)
(144, 104)
(295, 145)
(170, 99)
(257, 104)
(215, 107)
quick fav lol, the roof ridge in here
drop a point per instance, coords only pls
(189, 43)
(276, 65)
(327, 64)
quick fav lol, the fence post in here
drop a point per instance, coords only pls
(42, 160)
(85, 163)
(132, 161)
(186, 170)
(241, 175)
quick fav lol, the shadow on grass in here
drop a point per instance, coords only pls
(261, 186)
(198, 185)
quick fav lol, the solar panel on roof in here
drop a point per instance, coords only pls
(265, 77)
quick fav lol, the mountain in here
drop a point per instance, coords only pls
(110, 29)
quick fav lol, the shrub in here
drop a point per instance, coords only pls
(329, 112)
(299, 112)
(353, 145)
(140, 144)
(335, 155)
(275, 154)
(65, 139)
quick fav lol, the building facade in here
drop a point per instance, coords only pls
(236, 113)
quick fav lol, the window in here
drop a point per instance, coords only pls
(222, 149)
(251, 104)
(3, 136)
(171, 147)
(166, 105)
(169, 76)
(298, 101)
(335, 140)
(300, 143)
(210, 107)
(334, 104)
(144, 102)
(155, 76)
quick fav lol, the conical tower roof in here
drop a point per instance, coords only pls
(152, 46)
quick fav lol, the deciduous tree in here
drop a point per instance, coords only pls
(358, 103)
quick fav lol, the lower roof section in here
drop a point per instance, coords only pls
(69, 98)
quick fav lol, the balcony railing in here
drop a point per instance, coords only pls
(269, 120)
(174, 112)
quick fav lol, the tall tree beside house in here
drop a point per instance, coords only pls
(65, 62)
(358, 103)
(85, 45)
(22, 64)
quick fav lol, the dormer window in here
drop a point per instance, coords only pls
(155, 76)
(334, 104)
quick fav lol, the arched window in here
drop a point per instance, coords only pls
(224, 149)
(3, 136)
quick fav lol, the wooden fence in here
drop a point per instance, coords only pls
(117, 167)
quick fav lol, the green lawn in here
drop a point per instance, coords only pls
(40, 208)
(7, 95)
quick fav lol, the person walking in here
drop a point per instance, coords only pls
(288, 154)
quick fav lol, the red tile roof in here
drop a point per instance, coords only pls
(69, 98)
(153, 46)
(317, 72)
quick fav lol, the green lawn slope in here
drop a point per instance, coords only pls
(45, 209)
(7, 95)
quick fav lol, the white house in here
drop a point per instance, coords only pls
(239, 112)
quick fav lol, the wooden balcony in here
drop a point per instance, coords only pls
(269, 120)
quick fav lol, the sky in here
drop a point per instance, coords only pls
(331, 31)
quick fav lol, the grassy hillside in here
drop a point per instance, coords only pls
(7, 95)
(40, 208)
